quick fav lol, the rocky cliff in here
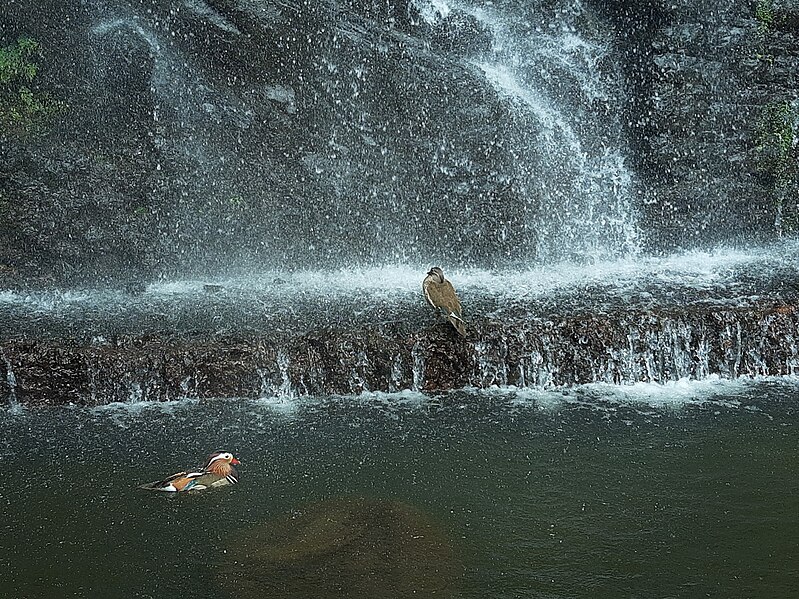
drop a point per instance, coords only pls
(713, 114)
(196, 134)
(200, 134)
(145, 141)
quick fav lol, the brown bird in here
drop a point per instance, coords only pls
(217, 472)
(440, 294)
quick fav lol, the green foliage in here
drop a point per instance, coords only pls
(776, 141)
(778, 158)
(16, 60)
(22, 107)
(764, 13)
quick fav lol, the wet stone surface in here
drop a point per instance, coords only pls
(513, 344)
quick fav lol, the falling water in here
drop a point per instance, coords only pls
(569, 152)
(285, 390)
(418, 367)
(600, 426)
(357, 144)
(11, 381)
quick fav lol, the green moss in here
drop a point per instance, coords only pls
(764, 13)
(776, 138)
(778, 159)
(16, 60)
(23, 108)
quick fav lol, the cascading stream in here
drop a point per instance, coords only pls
(696, 316)
(567, 146)
(324, 177)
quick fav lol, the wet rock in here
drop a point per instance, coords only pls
(237, 132)
(200, 134)
(619, 346)
(50, 374)
(460, 32)
(349, 547)
(5, 387)
(703, 74)
(786, 15)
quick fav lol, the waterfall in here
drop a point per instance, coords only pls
(188, 131)
(11, 382)
(285, 390)
(568, 148)
(186, 106)
(418, 367)
(288, 177)
(395, 382)
(352, 140)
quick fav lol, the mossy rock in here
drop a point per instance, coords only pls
(345, 548)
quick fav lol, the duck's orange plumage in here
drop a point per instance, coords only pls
(218, 471)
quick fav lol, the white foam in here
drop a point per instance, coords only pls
(700, 269)
(58, 300)
(381, 279)
(730, 393)
(123, 414)
(16, 409)
(286, 408)
(697, 268)
(432, 11)
(405, 398)
(648, 398)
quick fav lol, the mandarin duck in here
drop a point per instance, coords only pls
(217, 472)
(440, 294)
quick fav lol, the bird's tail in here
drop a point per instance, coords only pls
(153, 486)
(457, 322)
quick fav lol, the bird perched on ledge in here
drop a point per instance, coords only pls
(440, 294)
(217, 472)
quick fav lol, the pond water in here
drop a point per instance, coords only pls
(685, 490)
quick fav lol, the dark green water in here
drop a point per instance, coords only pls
(689, 491)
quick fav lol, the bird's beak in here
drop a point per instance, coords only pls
(235, 462)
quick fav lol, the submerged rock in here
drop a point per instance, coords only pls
(347, 547)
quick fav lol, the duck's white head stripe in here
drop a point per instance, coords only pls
(223, 455)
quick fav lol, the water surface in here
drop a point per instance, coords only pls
(685, 490)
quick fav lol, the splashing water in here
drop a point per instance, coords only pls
(568, 148)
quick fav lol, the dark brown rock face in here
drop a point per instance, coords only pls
(613, 347)
(201, 134)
